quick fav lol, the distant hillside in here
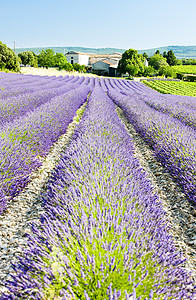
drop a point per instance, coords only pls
(77, 49)
(179, 51)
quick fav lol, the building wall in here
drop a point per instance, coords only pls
(92, 60)
(100, 65)
(101, 68)
(78, 58)
(146, 63)
(72, 58)
(83, 59)
(113, 61)
(89, 59)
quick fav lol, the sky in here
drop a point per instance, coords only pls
(138, 24)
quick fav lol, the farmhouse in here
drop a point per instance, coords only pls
(146, 63)
(77, 57)
(105, 67)
(101, 64)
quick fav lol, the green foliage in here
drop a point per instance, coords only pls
(186, 69)
(171, 59)
(167, 71)
(8, 59)
(145, 55)
(178, 62)
(149, 71)
(173, 87)
(131, 63)
(190, 78)
(60, 60)
(28, 58)
(79, 68)
(157, 61)
(67, 67)
(188, 61)
(165, 54)
(46, 58)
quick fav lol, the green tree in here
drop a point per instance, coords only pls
(145, 55)
(27, 58)
(178, 62)
(157, 52)
(60, 60)
(131, 63)
(165, 54)
(46, 58)
(79, 68)
(157, 61)
(167, 71)
(8, 59)
(149, 71)
(67, 67)
(171, 59)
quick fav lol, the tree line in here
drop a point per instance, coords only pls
(46, 59)
(158, 64)
(131, 62)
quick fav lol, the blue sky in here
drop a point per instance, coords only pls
(138, 24)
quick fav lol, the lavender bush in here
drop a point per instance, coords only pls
(25, 139)
(17, 106)
(182, 108)
(104, 234)
(173, 142)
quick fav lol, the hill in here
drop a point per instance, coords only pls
(77, 49)
(179, 51)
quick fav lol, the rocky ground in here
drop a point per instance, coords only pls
(26, 208)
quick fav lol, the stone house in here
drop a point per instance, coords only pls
(98, 63)
(146, 63)
(77, 57)
(105, 67)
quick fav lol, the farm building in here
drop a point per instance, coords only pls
(77, 57)
(146, 63)
(101, 64)
(105, 67)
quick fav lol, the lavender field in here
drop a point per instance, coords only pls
(106, 230)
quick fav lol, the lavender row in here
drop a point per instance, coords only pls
(173, 142)
(17, 106)
(125, 87)
(170, 104)
(22, 86)
(103, 235)
(25, 139)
